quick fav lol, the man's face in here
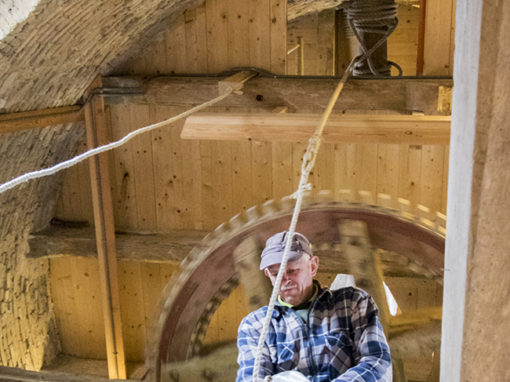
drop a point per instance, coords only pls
(297, 282)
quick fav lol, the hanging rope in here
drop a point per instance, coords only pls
(308, 162)
(101, 149)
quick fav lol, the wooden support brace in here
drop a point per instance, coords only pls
(235, 81)
(105, 235)
(294, 127)
(40, 118)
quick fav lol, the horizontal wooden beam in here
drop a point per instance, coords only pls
(362, 128)
(169, 247)
(298, 94)
(40, 118)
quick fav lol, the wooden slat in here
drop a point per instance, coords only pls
(262, 178)
(40, 118)
(195, 39)
(217, 34)
(259, 33)
(133, 315)
(325, 43)
(387, 169)
(409, 179)
(105, 235)
(282, 169)
(165, 164)
(175, 39)
(241, 176)
(141, 150)
(238, 41)
(438, 37)
(87, 308)
(432, 177)
(278, 52)
(408, 129)
(151, 288)
(124, 192)
(344, 166)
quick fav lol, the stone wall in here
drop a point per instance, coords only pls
(49, 58)
(28, 336)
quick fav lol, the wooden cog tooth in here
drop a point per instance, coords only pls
(252, 214)
(325, 196)
(308, 198)
(366, 197)
(426, 217)
(440, 225)
(287, 203)
(270, 207)
(385, 200)
(237, 222)
(345, 195)
(405, 209)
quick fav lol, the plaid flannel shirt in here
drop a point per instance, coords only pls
(343, 340)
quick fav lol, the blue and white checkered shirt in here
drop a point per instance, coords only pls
(342, 341)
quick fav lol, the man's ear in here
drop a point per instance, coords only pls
(314, 263)
(266, 272)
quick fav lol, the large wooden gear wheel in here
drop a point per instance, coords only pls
(208, 273)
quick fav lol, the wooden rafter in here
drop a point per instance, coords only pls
(40, 118)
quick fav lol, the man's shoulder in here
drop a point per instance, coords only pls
(344, 295)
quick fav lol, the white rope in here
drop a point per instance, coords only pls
(308, 162)
(95, 151)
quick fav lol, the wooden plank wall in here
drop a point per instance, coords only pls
(161, 182)
(76, 298)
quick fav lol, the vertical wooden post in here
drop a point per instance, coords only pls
(421, 38)
(301, 58)
(105, 233)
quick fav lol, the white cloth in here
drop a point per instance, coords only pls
(287, 376)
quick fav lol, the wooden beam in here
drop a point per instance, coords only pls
(303, 95)
(169, 247)
(105, 235)
(366, 128)
(40, 118)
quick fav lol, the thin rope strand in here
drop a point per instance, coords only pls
(308, 163)
(98, 150)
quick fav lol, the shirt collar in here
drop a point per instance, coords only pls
(316, 290)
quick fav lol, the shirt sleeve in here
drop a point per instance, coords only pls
(247, 342)
(372, 353)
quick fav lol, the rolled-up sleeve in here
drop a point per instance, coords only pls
(247, 342)
(372, 354)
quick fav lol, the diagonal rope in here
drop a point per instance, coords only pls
(98, 150)
(308, 162)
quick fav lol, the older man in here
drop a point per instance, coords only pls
(326, 335)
